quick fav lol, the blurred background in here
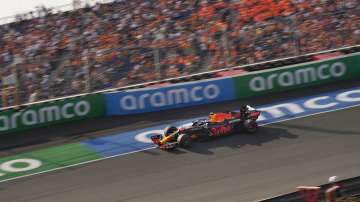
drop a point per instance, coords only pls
(69, 47)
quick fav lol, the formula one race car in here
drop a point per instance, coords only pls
(217, 124)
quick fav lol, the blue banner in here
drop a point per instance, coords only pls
(174, 96)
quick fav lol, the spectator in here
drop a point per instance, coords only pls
(128, 42)
(33, 96)
(333, 181)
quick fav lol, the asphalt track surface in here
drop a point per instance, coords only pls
(278, 158)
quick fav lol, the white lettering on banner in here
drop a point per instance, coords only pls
(64, 110)
(194, 95)
(257, 84)
(211, 91)
(321, 73)
(170, 97)
(142, 100)
(297, 77)
(5, 123)
(305, 75)
(270, 80)
(181, 96)
(128, 102)
(312, 103)
(158, 99)
(14, 119)
(29, 120)
(286, 79)
(48, 114)
(44, 115)
(9, 166)
(338, 69)
(345, 96)
(82, 108)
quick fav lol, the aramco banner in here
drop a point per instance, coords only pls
(50, 113)
(174, 96)
(297, 76)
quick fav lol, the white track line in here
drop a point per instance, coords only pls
(145, 149)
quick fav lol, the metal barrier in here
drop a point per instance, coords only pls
(350, 187)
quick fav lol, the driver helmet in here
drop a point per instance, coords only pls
(170, 130)
(333, 179)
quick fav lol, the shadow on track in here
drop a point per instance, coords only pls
(319, 129)
(264, 135)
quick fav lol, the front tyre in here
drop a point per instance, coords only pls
(184, 140)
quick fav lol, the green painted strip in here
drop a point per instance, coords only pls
(45, 159)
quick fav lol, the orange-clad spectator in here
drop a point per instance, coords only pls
(276, 9)
(286, 7)
(206, 12)
(303, 5)
(249, 3)
(173, 72)
(220, 4)
(213, 47)
(76, 62)
(218, 26)
(184, 44)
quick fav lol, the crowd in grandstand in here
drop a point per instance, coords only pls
(127, 42)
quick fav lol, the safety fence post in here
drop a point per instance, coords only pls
(310, 193)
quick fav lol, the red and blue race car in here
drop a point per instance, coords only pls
(217, 124)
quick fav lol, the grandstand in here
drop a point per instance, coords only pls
(128, 42)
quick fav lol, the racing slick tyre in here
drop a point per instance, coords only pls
(251, 126)
(170, 130)
(184, 140)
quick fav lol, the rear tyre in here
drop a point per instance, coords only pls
(184, 141)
